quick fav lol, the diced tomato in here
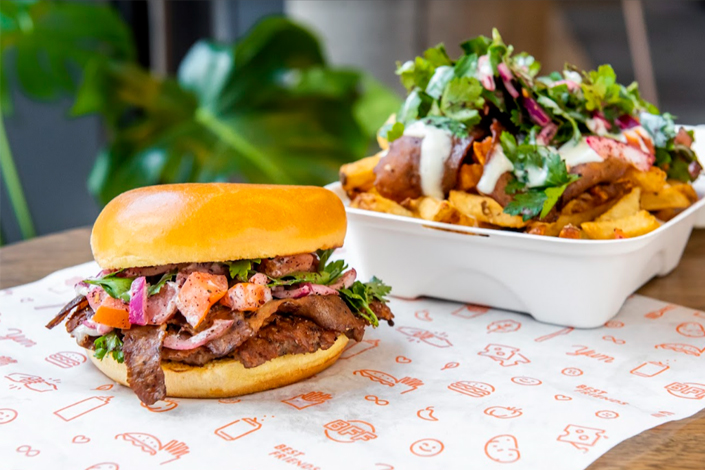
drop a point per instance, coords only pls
(247, 296)
(112, 312)
(198, 294)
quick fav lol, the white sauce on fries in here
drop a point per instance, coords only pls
(435, 150)
(576, 154)
(497, 164)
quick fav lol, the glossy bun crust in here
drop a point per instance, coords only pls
(227, 377)
(203, 222)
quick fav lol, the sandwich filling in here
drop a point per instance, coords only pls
(248, 310)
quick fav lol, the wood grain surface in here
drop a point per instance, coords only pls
(671, 446)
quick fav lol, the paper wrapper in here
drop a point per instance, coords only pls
(449, 386)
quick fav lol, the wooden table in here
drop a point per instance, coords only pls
(674, 445)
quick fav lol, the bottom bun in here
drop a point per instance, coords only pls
(229, 378)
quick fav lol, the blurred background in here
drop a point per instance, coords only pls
(99, 97)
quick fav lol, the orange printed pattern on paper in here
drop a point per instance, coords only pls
(581, 437)
(506, 356)
(349, 431)
(153, 446)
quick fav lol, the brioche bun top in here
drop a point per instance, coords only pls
(204, 222)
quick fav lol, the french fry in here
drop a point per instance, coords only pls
(429, 208)
(626, 206)
(571, 216)
(375, 202)
(688, 190)
(359, 176)
(650, 181)
(469, 176)
(628, 227)
(669, 197)
(382, 141)
(571, 231)
(482, 149)
(484, 209)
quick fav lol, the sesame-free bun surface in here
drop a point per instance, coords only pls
(203, 222)
(229, 378)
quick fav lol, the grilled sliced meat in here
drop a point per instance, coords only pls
(283, 265)
(77, 318)
(78, 303)
(192, 357)
(592, 174)
(382, 311)
(148, 271)
(328, 311)
(238, 333)
(142, 347)
(285, 335)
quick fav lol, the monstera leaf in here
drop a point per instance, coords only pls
(268, 109)
(52, 41)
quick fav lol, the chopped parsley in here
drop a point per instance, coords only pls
(360, 295)
(109, 344)
(116, 287)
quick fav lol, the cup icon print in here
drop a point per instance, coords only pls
(238, 428)
(78, 409)
(649, 369)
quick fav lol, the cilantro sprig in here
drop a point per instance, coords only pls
(242, 269)
(166, 277)
(360, 295)
(109, 344)
(528, 158)
(115, 286)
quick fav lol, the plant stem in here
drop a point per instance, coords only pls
(14, 186)
(242, 146)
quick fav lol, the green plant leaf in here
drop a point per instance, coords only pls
(52, 41)
(266, 110)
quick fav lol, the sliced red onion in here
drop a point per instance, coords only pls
(624, 122)
(536, 112)
(345, 281)
(138, 301)
(610, 148)
(507, 78)
(484, 73)
(174, 341)
(305, 289)
(547, 134)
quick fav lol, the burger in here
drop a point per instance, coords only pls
(219, 290)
